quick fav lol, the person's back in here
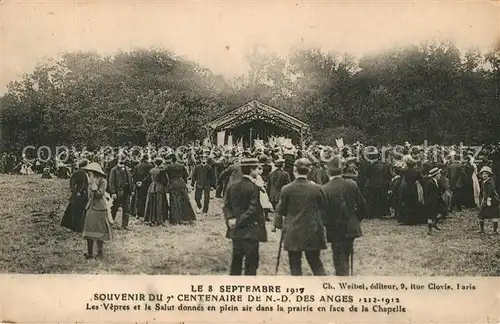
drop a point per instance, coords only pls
(346, 207)
(302, 204)
(239, 197)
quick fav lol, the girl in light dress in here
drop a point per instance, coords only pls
(98, 220)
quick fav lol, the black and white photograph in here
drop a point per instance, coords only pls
(250, 138)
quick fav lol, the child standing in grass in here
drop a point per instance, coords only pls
(97, 225)
(489, 200)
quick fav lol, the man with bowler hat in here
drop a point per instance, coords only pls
(301, 203)
(245, 219)
(345, 208)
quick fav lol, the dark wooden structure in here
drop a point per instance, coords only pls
(255, 120)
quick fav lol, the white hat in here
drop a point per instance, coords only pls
(95, 167)
(486, 169)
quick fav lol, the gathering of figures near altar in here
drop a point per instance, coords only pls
(315, 196)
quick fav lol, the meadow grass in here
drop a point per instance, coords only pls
(32, 241)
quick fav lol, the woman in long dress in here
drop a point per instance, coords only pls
(181, 211)
(97, 227)
(411, 209)
(156, 212)
(74, 215)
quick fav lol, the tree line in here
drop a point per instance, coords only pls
(429, 91)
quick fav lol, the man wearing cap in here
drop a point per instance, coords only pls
(345, 208)
(120, 189)
(433, 199)
(203, 180)
(301, 203)
(277, 179)
(245, 219)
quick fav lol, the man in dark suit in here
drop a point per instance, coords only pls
(203, 180)
(245, 219)
(345, 208)
(142, 180)
(276, 180)
(433, 199)
(120, 188)
(301, 204)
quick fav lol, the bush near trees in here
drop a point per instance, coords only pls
(430, 91)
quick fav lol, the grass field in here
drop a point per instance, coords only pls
(33, 242)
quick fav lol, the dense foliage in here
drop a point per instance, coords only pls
(430, 91)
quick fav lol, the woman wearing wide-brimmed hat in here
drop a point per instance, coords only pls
(490, 200)
(97, 225)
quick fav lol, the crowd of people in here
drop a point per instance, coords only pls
(306, 189)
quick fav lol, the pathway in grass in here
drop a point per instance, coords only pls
(33, 242)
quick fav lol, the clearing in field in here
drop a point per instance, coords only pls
(33, 242)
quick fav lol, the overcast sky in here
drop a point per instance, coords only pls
(216, 35)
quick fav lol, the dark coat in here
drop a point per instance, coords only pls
(488, 191)
(276, 180)
(456, 175)
(318, 175)
(433, 198)
(178, 175)
(120, 181)
(224, 176)
(301, 204)
(345, 208)
(141, 174)
(266, 171)
(159, 180)
(230, 175)
(74, 214)
(141, 171)
(378, 175)
(203, 176)
(411, 209)
(242, 202)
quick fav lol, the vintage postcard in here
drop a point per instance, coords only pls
(250, 161)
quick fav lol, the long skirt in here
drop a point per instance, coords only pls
(97, 226)
(156, 211)
(74, 215)
(411, 210)
(181, 211)
(488, 212)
